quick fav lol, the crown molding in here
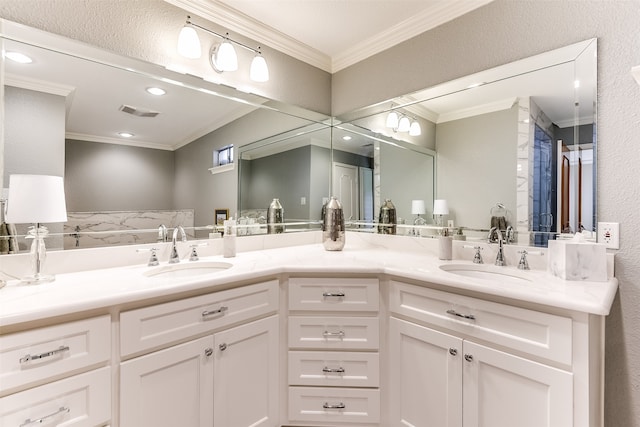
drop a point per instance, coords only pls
(231, 19)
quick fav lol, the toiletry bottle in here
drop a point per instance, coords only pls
(229, 239)
(445, 245)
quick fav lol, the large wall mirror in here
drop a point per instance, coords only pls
(516, 142)
(63, 113)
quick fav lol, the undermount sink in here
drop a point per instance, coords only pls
(487, 272)
(190, 269)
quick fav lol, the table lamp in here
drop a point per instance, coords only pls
(36, 199)
(418, 208)
(440, 209)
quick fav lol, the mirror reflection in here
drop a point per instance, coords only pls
(513, 144)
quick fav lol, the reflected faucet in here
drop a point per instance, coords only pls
(162, 233)
(500, 239)
(174, 257)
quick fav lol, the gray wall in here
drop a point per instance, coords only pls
(507, 30)
(108, 177)
(476, 158)
(29, 148)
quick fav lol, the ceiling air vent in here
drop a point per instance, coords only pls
(138, 111)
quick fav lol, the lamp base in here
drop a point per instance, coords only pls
(37, 279)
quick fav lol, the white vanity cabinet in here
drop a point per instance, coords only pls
(225, 373)
(333, 358)
(461, 361)
(57, 375)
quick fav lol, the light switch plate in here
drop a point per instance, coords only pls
(609, 234)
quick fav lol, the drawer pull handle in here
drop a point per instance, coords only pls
(328, 370)
(464, 316)
(29, 421)
(328, 334)
(337, 406)
(221, 310)
(30, 357)
(333, 294)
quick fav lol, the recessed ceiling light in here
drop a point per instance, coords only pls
(346, 138)
(125, 134)
(156, 91)
(18, 57)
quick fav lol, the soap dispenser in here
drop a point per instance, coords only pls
(229, 238)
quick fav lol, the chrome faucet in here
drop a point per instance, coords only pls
(500, 239)
(174, 257)
(162, 233)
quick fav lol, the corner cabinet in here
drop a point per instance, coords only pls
(203, 381)
(459, 361)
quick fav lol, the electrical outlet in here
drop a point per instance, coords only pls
(609, 234)
(303, 200)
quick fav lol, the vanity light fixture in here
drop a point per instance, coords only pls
(222, 56)
(18, 57)
(36, 199)
(404, 124)
(392, 120)
(415, 129)
(156, 91)
(189, 42)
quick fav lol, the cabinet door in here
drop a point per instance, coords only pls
(171, 387)
(425, 376)
(503, 390)
(246, 375)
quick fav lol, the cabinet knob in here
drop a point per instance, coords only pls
(453, 351)
(468, 357)
(222, 346)
(208, 352)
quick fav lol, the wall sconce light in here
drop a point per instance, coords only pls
(222, 56)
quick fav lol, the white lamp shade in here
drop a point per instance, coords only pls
(418, 207)
(415, 129)
(392, 120)
(259, 71)
(404, 125)
(36, 199)
(189, 43)
(440, 207)
(226, 58)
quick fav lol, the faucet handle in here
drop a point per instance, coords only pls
(194, 253)
(477, 257)
(524, 264)
(153, 259)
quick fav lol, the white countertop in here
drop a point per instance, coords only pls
(401, 257)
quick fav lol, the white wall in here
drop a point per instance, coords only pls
(507, 30)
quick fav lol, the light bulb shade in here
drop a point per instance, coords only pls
(224, 57)
(259, 71)
(392, 120)
(404, 125)
(418, 207)
(415, 129)
(36, 199)
(189, 43)
(440, 207)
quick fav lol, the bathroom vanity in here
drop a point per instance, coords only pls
(375, 335)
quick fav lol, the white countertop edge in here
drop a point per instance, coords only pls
(119, 286)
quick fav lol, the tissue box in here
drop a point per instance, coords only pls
(570, 260)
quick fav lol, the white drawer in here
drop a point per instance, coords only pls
(537, 333)
(357, 333)
(83, 400)
(334, 294)
(330, 368)
(152, 327)
(43, 353)
(334, 405)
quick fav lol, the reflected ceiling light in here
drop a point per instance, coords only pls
(18, 57)
(189, 42)
(259, 71)
(576, 84)
(415, 129)
(404, 125)
(392, 120)
(223, 56)
(156, 91)
(125, 134)
(346, 138)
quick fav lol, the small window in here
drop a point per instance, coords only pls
(223, 156)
